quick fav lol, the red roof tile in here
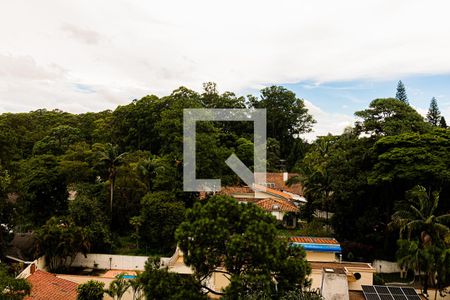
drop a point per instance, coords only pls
(280, 184)
(272, 191)
(45, 286)
(313, 240)
(272, 204)
(232, 190)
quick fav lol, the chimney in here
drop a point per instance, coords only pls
(285, 176)
(32, 268)
(334, 284)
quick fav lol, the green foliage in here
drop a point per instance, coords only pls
(425, 248)
(60, 239)
(390, 117)
(287, 115)
(109, 155)
(57, 141)
(7, 213)
(43, 188)
(442, 123)
(160, 284)
(12, 288)
(315, 175)
(413, 157)
(241, 241)
(160, 215)
(434, 115)
(88, 213)
(378, 279)
(91, 290)
(118, 287)
(401, 92)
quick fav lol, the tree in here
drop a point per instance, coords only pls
(158, 283)
(88, 213)
(57, 141)
(12, 288)
(60, 240)
(315, 175)
(118, 287)
(137, 287)
(160, 216)
(434, 115)
(111, 157)
(442, 123)
(390, 117)
(6, 211)
(91, 290)
(242, 242)
(287, 115)
(411, 158)
(401, 93)
(417, 218)
(43, 188)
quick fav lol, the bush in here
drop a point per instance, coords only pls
(91, 290)
(378, 280)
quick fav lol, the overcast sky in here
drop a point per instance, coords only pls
(338, 55)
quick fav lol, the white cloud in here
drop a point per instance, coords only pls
(85, 35)
(122, 50)
(327, 122)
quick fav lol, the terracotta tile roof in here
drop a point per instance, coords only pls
(313, 240)
(280, 184)
(272, 191)
(272, 204)
(45, 286)
(232, 190)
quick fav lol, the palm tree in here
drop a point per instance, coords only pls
(418, 217)
(111, 157)
(147, 170)
(137, 287)
(425, 231)
(91, 290)
(118, 287)
(314, 175)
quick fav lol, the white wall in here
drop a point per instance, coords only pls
(384, 266)
(39, 263)
(117, 262)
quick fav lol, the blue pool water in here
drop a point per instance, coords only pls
(129, 276)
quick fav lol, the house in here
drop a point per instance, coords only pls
(273, 195)
(274, 186)
(318, 249)
(99, 267)
(281, 209)
(322, 253)
(327, 268)
(46, 286)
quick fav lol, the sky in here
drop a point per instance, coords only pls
(92, 55)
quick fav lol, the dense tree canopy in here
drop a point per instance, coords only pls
(60, 173)
(241, 241)
(390, 117)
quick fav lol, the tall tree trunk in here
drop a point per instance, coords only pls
(111, 191)
(425, 283)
